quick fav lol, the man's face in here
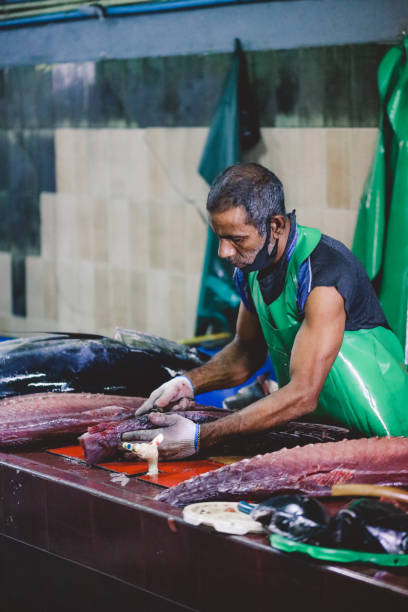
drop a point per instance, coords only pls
(240, 242)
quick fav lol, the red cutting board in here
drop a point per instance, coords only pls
(170, 472)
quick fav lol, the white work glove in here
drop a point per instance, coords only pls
(181, 437)
(174, 390)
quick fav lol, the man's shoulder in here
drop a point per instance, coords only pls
(331, 253)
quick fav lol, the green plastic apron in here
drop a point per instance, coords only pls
(367, 386)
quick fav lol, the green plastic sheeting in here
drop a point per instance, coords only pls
(381, 237)
(233, 126)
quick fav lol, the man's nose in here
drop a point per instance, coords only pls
(225, 249)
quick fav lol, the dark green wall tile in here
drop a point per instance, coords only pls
(111, 88)
(206, 87)
(337, 90)
(287, 88)
(4, 160)
(324, 86)
(311, 87)
(5, 234)
(18, 284)
(262, 68)
(70, 89)
(44, 106)
(365, 103)
(3, 99)
(24, 224)
(24, 88)
(23, 177)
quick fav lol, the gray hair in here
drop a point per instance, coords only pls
(252, 186)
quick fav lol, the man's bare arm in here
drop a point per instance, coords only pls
(236, 362)
(316, 346)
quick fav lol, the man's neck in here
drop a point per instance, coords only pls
(283, 239)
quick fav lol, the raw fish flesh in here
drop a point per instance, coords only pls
(311, 470)
(100, 443)
(81, 362)
(29, 419)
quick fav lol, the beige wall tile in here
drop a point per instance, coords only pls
(66, 161)
(363, 145)
(158, 234)
(119, 233)
(311, 216)
(340, 224)
(85, 232)
(193, 292)
(48, 212)
(98, 166)
(35, 325)
(118, 160)
(102, 297)
(312, 167)
(100, 237)
(82, 161)
(138, 300)
(5, 280)
(67, 227)
(137, 164)
(173, 156)
(338, 168)
(282, 156)
(351, 227)
(17, 325)
(195, 187)
(158, 291)
(50, 290)
(177, 239)
(35, 287)
(139, 234)
(178, 306)
(196, 240)
(5, 324)
(159, 179)
(68, 295)
(120, 297)
(86, 296)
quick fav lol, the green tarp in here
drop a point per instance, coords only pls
(233, 128)
(381, 237)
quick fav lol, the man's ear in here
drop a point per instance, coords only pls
(278, 225)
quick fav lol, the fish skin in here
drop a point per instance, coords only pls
(82, 363)
(100, 443)
(288, 435)
(29, 419)
(311, 470)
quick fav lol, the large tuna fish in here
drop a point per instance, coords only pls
(42, 417)
(312, 470)
(100, 442)
(81, 362)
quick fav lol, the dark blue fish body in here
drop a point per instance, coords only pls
(82, 363)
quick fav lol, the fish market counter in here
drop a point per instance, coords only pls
(71, 537)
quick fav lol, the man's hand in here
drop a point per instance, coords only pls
(180, 436)
(174, 390)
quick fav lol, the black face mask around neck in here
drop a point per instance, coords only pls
(263, 257)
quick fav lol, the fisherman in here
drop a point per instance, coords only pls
(307, 300)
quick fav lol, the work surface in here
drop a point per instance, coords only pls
(124, 539)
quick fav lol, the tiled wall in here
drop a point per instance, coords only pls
(100, 197)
